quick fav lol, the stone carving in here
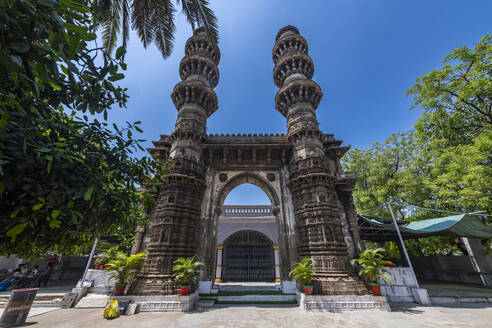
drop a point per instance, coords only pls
(315, 194)
(223, 177)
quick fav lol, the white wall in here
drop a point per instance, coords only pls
(229, 225)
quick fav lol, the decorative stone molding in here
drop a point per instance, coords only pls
(199, 44)
(297, 63)
(288, 45)
(223, 177)
(194, 92)
(199, 66)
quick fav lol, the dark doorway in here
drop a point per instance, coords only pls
(248, 257)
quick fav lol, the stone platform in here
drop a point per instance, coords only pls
(341, 303)
(165, 303)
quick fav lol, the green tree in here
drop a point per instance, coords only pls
(459, 93)
(445, 162)
(152, 19)
(64, 177)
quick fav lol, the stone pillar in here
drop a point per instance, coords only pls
(218, 270)
(313, 172)
(137, 244)
(175, 221)
(277, 264)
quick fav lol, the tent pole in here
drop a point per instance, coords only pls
(89, 261)
(402, 244)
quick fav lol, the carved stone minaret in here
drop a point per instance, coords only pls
(325, 231)
(174, 223)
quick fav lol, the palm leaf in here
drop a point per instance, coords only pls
(125, 23)
(142, 13)
(111, 23)
(189, 10)
(207, 19)
(163, 23)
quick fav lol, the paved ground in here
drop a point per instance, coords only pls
(450, 289)
(53, 287)
(402, 316)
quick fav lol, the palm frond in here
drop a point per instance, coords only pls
(125, 23)
(124, 267)
(110, 20)
(185, 270)
(142, 14)
(188, 9)
(163, 23)
(207, 19)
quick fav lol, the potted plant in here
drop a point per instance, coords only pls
(303, 272)
(373, 266)
(123, 268)
(103, 259)
(185, 271)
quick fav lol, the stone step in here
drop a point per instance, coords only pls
(341, 303)
(93, 301)
(460, 299)
(257, 298)
(248, 288)
(41, 300)
(205, 304)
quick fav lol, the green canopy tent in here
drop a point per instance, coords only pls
(464, 225)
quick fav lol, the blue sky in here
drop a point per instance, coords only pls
(366, 53)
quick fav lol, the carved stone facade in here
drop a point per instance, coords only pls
(300, 172)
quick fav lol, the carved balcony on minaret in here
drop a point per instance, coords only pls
(195, 92)
(289, 45)
(199, 44)
(295, 64)
(198, 67)
(298, 91)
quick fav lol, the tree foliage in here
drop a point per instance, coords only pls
(152, 19)
(65, 177)
(445, 163)
(461, 89)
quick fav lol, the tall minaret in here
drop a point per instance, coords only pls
(313, 173)
(175, 220)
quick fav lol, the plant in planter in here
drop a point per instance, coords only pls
(373, 266)
(106, 257)
(303, 272)
(123, 268)
(185, 271)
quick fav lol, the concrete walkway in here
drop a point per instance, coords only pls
(441, 289)
(53, 287)
(403, 316)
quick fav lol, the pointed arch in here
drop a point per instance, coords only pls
(252, 178)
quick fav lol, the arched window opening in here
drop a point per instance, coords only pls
(247, 194)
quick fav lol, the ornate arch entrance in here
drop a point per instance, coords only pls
(248, 256)
(300, 171)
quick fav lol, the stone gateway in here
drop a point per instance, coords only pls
(311, 196)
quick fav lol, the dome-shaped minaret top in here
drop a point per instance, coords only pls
(293, 71)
